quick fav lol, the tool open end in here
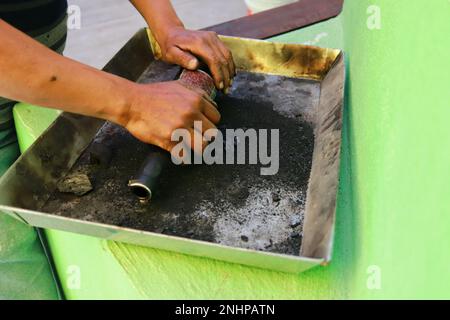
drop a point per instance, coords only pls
(141, 191)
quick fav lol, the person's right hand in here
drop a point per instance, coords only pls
(160, 108)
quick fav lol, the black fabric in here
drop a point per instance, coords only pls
(33, 16)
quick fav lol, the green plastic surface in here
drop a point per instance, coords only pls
(30, 122)
(393, 216)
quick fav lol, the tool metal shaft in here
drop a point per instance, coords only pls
(146, 179)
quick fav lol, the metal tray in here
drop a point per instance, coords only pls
(30, 182)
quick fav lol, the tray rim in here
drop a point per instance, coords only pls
(293, 264)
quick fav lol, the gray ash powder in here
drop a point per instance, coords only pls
(227, 204)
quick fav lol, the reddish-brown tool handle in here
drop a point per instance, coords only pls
(258, 26)
(145, 180)
(280, 20)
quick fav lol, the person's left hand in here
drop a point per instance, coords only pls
(182, 47)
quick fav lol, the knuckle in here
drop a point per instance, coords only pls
(185, 115)
(180, 123)
(215, 59)
(227, 55)
(206, 38)
(169, 52)
(186, 118)
(199, 40)
(190, 110)
(216, 120)
(167, 135)
(223, 61)
(196, 101)
(166, 146)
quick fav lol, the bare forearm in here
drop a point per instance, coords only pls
(159, 15)
(186, 47)
(32, 73)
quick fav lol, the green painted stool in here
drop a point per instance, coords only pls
(393, 209)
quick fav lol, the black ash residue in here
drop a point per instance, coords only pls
(229, 204)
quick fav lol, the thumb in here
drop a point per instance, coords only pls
(183, 59)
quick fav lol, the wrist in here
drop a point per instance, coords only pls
(162, 34)
(124, 92)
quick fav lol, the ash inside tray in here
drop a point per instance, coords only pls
(229, 204)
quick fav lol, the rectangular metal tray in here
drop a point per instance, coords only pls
(30, 182)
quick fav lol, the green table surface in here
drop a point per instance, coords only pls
(393, 215)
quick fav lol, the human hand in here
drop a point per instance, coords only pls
(160, 108)
(182, 47)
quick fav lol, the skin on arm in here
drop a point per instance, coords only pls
(182, 47)
(32, 73)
